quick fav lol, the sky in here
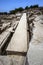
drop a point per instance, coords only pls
(7, 5)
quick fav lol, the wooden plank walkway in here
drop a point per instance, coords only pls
(18, 42)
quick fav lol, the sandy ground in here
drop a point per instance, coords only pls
(35, 52)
